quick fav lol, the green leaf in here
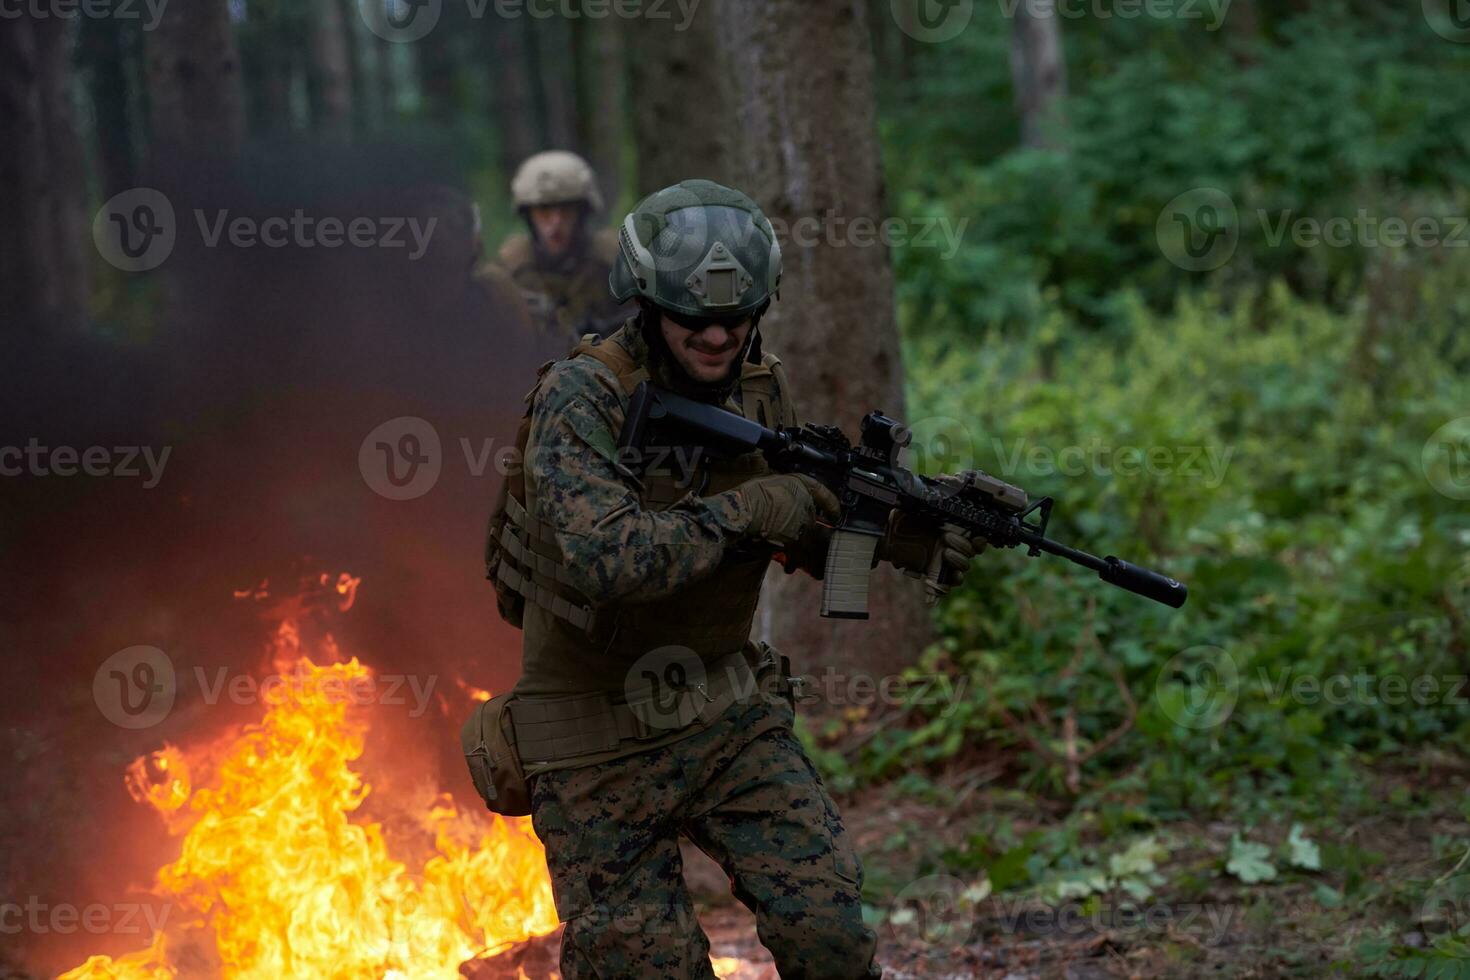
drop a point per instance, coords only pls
(1302, 852)
(1248, 861)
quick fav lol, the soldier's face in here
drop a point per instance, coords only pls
(556, 226)
(706, 355)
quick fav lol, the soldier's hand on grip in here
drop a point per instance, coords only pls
(784, 507)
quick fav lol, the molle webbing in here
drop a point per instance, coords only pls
(531, 565)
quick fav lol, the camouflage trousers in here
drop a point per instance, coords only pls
(745, 793)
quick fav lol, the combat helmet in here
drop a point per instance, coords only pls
(555, 177)
(700, 249)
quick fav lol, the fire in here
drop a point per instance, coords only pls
(275, 878)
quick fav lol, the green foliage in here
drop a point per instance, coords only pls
(1336, 115)
(1277, 469)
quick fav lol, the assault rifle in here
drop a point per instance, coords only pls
(869, 483)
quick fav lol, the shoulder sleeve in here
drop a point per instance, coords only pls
(613, 548)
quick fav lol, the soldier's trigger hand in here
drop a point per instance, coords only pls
(784, 507)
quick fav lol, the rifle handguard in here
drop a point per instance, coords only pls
(845, 581)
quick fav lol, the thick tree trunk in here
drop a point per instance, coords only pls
(556, 73)
(682, 123)
(1038, 72)
(332, 70)
(514, 103)
(108, 48)
(604, 105)
(43, 220)
(193, 72)
(808, 152)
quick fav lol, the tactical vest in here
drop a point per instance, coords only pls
(712, 617)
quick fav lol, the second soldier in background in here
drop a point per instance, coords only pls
(561, 264)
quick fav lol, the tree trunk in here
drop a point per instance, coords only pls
(604, 105)
(107, 46)
(332, 70)
(808, 151)
(1038, 72)
(682, 123)
(514, 103)
(44, 278)
(555, 72)
(193, 72)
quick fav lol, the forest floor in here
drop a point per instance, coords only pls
(1378, 864)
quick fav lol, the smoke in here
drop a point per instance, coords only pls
(255, 382)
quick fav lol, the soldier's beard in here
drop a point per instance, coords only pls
(667, 371)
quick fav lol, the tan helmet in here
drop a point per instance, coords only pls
(555, 177)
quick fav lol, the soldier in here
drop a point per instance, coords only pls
(644, 711)
(562, 265)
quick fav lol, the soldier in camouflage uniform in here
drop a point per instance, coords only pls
(645, 712)
(561, 265)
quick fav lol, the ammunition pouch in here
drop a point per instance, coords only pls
(489, 742)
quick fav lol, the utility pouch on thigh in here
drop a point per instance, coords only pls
(489, 743)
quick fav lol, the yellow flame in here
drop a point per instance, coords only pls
(279, 879)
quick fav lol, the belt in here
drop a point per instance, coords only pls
(559, 728)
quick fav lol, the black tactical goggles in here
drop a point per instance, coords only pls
(694, 324)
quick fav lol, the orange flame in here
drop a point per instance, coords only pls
(275, 879)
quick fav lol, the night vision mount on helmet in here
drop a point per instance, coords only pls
(698, 248)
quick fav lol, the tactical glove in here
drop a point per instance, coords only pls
(940, 555)
(784, 507)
